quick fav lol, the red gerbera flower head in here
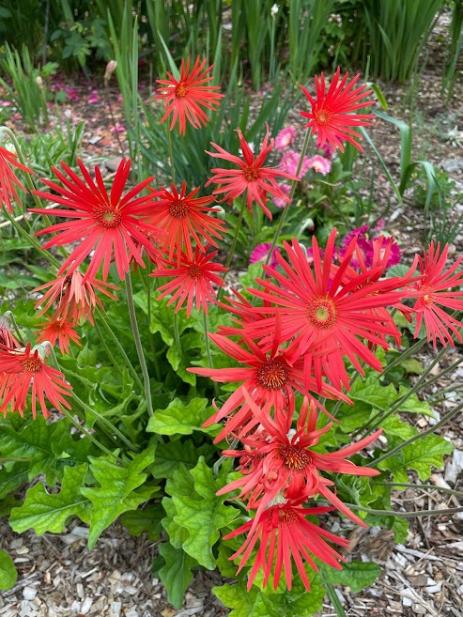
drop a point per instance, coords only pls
(439, 288)
(9, 182)
(61, 331)
(187, 98)
(283, 534)
(108, 226)
(279, 461)
(332, 116)
(23, 371)
(185, 218)
(193, 280)
(327, 317)
(270, 378)
(7, 338)
(74, 296)
(250, 177)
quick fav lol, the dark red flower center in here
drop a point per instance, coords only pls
(295, 458)
(33, 364)
(286, 516)
(273, 374)
(250, 173)
(322, 116)
(109, 218)
(178, 209)
(181, 90)
(322, 312)
(195, 272)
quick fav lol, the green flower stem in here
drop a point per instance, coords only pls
(332, 595)
(231, 252)
(178, 342)
(171, 152)
(10, 318)
(100, 418)
(30, 238)
(86, 432)
(422, 487)
(305, 147)
(138, 343)
(380, 416)
(432, 429)
(416, 514)
(208, 350)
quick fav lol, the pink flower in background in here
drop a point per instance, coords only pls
(290, 162)
(371, 244)
(94, 98)
(278, 201)
(72, 93)
(328, 151)
(118, 128)
(260, 253)
(320, 164)
(285, 138)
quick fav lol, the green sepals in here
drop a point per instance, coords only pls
(119, 488)
(356, 575)
(180, 418)
(195, 514)
(8, 573)
(422, 456)
(176, 573)
(49, 512)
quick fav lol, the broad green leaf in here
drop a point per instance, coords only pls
(48, 512)
(8, 574)
(414, 405)
(199, 511)
(242, 602)
(422, 456)
(179, 417)
(370, 391)
(356, 575)
(144, 520)
(120, 488)
(395, 427)
(12, 478)
(173, 454)
(177, 534)
(176, 573)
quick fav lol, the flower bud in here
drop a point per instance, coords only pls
(110, 68)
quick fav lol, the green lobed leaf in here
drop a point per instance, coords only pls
(120, 488)
(198, 511)
(144, 520)
(356, 575)
(176, 573)
(48, 512)
(421, 456)
(173, 454)
(179, 417)
(8, 573)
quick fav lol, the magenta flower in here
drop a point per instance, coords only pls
(280, 202)
(260, 253)
(94, 98)
(285, 138)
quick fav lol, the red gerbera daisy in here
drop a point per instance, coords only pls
(187, 98)
(7, 338)
(9, 182)
(277, 460)
(251, 177)
(328, 317)
(61, 331)
(270, 378)
(331, 116)
(75, 297)
(284, 534)
(185, 217)
(24, 370)
(435, 290)
(108, 226)
(193, 280)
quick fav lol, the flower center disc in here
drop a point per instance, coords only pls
(178, 209)
(181, 91)
(295, 458)
(109, 218)
(195, 272)
(273, 374)
(32, 365)
(322, 312)
(250, 174)
(322, 117)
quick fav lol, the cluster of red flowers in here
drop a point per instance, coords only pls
(313, 315)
